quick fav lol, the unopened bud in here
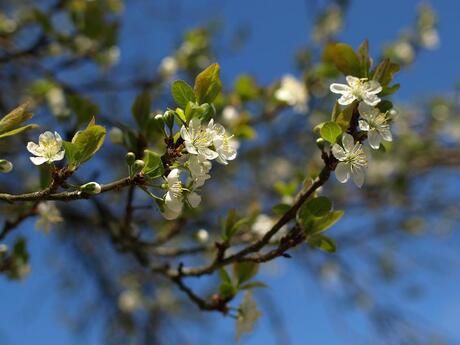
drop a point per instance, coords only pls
(5, 166)
(91, 188)
(130, 158)
(138, 166)
(202, 235)
(169, 118)
(321, 143)
(116, 136)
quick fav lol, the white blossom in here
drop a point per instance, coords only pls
(57, 102)
(48, 216)
(116, 136)
(199, 170)
(357, 89)
(198, 140)
(352, 160)
(263, 224)
(293, 92)
(375, 123)
(176, 195)
(49, 148)
(224, 145)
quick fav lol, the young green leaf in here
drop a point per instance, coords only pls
(244, 271)
(318, 207)
(344, 58)
(153, 165)
(208, 84)
(14, 118)
(84, 145)
(330, 131)
(141, 109)
(322, 242)
(182, 93)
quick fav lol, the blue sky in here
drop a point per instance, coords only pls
(29, 312)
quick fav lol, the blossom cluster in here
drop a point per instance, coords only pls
(351, 156)
(203, 144)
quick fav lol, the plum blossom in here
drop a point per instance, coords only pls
(358, 89)
(293, 92)
(198, 140)
(224, 145)
(176, 195)
(49, 148)
(49, 215)
(375, 123)
(352, 160)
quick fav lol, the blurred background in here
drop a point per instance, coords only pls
(395, 277)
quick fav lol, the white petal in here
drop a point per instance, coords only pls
(363, 125)
(373, 86)
(170, 214)
(195, 124)
(338, 152)
(173, 203)
(38, 160)
(348, 142)
(346, 99)
(371, 99)
(342, 172)
(352, 81)
(208, 153)
(386, 134)
(58, 138)
(59, 156)
(184, 133)
(357, 174)
(194, 199)
(374, 139)
(340, 88)
(34, 148)
(45, 138)
(365, 110)
(173, 176)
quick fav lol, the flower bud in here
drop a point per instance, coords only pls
(5, 166)
(130, 158)
(116, 136)
(168, 117)
(91, 188)
(138, 166)
(321, 143)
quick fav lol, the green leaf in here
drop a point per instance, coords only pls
(153, 165)
(182, 93)
(226, 287)
(247, 315)
(17, 130)
(344, 117)
(208, 84)
(330, 131)
(84, 145)
(318, 207)
(322, 242)
(363, 56)
(204, 112)
(14, 118)
(327, 221)
(244, 271)
(141, 109)
(232, 224)
(344, 58)
(281, 209)
(385, 71)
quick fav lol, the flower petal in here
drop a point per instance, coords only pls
(38, 160)
(170, 214)
(340, 88)
(374, 139)
(342, 172)
(371, 99)
(346, 99)
(373, 87)
(357, 174)
(194, 199)
(348, 142)
(338, 152)
(363, 125)
(58, 156)
(34, 148)
(386, 133)
(352, 81)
